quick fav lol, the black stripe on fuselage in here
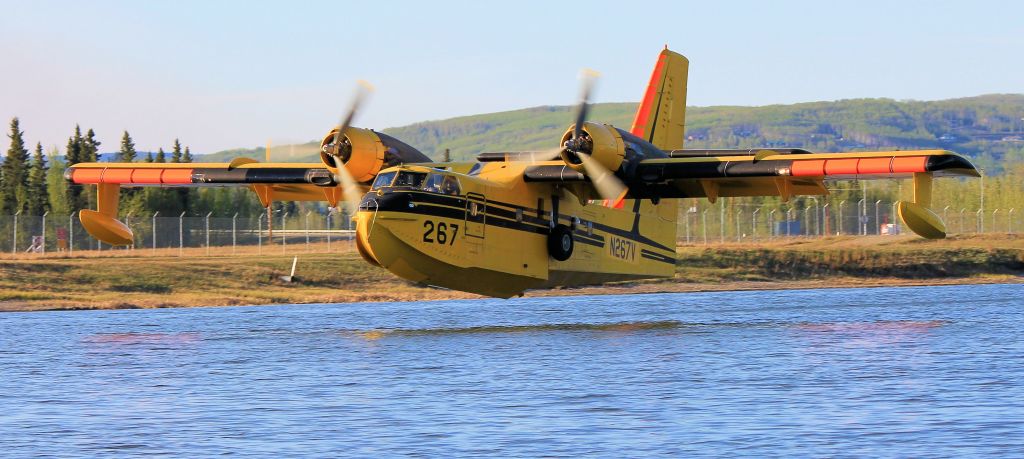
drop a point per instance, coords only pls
(502, 214)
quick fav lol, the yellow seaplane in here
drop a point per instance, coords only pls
(600, 207)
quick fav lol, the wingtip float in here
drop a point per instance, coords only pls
(512, 221)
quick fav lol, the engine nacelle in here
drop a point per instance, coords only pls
(365, 152)
(604, 145)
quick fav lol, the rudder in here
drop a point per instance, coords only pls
(661, 116)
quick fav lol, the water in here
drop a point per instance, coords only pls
(922, 372)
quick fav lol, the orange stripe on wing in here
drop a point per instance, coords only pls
(887, 165)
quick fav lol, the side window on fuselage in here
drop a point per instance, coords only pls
(410, 179)
(383, 180)
(443, 184)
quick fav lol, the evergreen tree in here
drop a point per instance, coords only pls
(149, 157)
(176, 152)
(161, 157)
(90, 147)
(74, 153)
(187, 158)
(76, 199)
(90, 153)
(56, 185)
(127, 153)
(14, 173)
(37, 196)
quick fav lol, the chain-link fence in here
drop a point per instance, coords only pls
(165, 235)
(751, 223)
(169, 235)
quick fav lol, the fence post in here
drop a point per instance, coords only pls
(44, 231)
(234, 228)
(154, 230)
(962, 220)
(1009, 221)
(704, 225)
(739, 213)
(686, 215)
(771, 224)
(789, 218)
(284, 229)
(208, 233)
(259, 234)
(839, 230)
(945, 215)
(71, 234)
(862, 217)
(979, 221)
(817, 218)
(825, 220)
(721, 222)
(181, 234)
(128, 223)
(14, 242)
(753, 225)
(328, 229)
(307, 229)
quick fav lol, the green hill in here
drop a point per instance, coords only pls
(988, 125)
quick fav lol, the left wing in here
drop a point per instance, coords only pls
(781, 172)
(688, 174)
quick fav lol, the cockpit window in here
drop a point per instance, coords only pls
(383, 180)
(443, 184)
(410, 179)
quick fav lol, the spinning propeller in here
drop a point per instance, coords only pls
(340, 150)
(581, 146)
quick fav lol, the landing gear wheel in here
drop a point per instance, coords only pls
(560, 243)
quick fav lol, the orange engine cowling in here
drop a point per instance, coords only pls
(605, 146)
(365, 152)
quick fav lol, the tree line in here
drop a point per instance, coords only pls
(35, 184)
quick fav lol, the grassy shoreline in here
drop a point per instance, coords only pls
(123, 279)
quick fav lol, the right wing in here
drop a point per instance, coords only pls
(270, 181)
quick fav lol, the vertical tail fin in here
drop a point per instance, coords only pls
(661, 117)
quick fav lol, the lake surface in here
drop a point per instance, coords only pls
(893, 372)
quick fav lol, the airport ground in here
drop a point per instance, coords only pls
(124, 279)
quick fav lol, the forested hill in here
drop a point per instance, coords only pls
(988, 125)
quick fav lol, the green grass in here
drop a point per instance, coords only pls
(118, 280)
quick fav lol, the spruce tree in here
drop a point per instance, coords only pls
(90, 147)
(38, 198)
(14, 173)
(149, 157)
(76, 199)
(176, 152)
(187, 157)
(74, 153)
(161, 157)
(127, 153)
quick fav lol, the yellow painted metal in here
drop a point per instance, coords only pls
(608, 147)
(232, 165)
(923, 188)
(240, 161)
(367, 153)
(102, 223)
(666, 122)
(921, 220)
(503, 261)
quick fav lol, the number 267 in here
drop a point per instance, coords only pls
(439, 233)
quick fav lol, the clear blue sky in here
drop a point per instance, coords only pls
(222, 74)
